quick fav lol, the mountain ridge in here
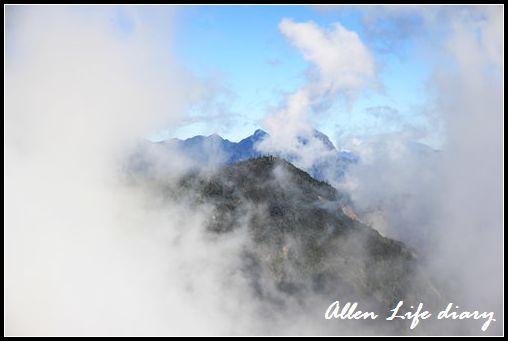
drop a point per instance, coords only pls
(303, 238)
(215, 149)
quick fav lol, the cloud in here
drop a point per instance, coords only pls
(447, 203)
(384, 112)
(448, 206)
(93, 247)
(470, 203)
(87, 252)
(341, 67)
(393, 183)
(344, 64)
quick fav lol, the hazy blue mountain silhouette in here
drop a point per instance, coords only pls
(215, 149)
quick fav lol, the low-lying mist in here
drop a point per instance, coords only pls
(94, 246)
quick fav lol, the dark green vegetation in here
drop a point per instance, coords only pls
(300, 237)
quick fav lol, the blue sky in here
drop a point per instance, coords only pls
(242, 51)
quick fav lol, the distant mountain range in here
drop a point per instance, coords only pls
(214, 149)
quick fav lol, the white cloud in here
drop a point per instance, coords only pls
(86, 254)
(448, 206)
(344, 64)
(341, 67)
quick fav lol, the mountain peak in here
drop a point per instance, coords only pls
(302, 236)
(215, 136)
(259, 132)
(214, 148)
(258, 135)
(323, 138)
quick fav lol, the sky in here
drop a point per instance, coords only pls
(241, 52)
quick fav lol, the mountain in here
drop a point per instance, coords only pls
(214, 149)
(304, 237)
(320, 137)
(246, 148)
